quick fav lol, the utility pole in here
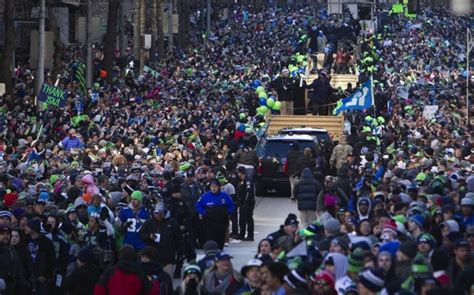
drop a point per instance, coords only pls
(89, 72)
(170, 26)
(136, 32)
(41, 36)
(142, 32)
(208, 26)
(469, 46)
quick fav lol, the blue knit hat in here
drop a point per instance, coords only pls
(418, 219)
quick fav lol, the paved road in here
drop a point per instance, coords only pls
(269, 213)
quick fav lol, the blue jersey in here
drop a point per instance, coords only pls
(210, 200)
(132, 235)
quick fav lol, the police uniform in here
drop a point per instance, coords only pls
(246, 197)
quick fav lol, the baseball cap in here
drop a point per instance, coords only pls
(462, 243)
(223, 256)
(251, 263)
(467, 202)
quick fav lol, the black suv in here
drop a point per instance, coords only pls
(324, 140)
(272, 152)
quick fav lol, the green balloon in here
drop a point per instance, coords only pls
(264, 109)
(260, 89)
(277, 105)
(262, 95)
(270, 102)
(96, 86)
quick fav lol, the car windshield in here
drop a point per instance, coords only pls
(280, 148)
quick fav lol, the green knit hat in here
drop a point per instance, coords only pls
(420, 268)
(137, 195)
(356, 261)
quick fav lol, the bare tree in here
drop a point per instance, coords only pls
(59, 47)
(184, 23)
(110, 38)
(8, 46)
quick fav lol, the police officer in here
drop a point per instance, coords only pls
(214, 208)
(246, 197)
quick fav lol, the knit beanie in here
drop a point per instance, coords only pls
(372, 279)
(420, 268)
(137, 195)
(356, 261)
(409, 249)
(390, 247)
(85, 255)
(418, 219)
(390, 226)
(332, 226)
(325, 276)
(34, 224)
(192, 268)
(296, 279)
(427, 238)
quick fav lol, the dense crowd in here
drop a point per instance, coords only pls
(114, 193)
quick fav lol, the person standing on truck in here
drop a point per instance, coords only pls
(292, 165)
(284, 86)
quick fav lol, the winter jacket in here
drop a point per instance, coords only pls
(245, 191)
(43, 257)
(306, 162)
(71, 143)
(82, 280)
(192, 192)
(210, 201)
(306, 191)
(11, 271)
(247, 157)
(181, 212)
(125, 278)
(339, 155)
(170, 238)
(292, 160)
(92, 189)
(337, 192)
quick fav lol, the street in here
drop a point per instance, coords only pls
(269, 214)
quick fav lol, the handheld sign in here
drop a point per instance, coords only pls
(52, 95)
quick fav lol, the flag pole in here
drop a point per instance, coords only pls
(372, 93)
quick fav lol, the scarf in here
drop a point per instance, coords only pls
(217, 284)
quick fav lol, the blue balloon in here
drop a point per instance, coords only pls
(262, 101)
(256, 83)
(242, 127)
(294, 73)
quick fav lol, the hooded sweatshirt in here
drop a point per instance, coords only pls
(91, 188)
(364, 216)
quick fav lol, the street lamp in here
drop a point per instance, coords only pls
(469, 46)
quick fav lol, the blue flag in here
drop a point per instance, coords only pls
(361, 99)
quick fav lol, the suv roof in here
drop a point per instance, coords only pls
(301, 129)
(291, 137)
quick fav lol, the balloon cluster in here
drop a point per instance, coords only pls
(266, 102)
